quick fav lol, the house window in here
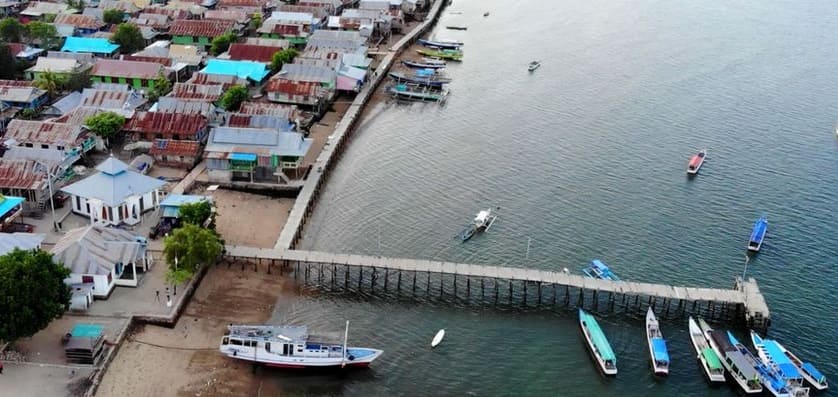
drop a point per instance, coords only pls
(61, 148)
(27, 144)
(87, 279)
(110, 213)
(44, 146)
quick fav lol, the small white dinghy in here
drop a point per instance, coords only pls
(438, 338)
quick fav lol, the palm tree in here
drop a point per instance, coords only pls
(50, 82)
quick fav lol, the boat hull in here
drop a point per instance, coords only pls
(719, 352)
(419, 65)
(758, 235)
(589, 344)
(652, 325)
(699, 342)
(696, 162)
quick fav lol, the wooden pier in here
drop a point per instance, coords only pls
(743, 304)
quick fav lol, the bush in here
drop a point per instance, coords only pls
(233, 98)
(129, 38)
(221, 43)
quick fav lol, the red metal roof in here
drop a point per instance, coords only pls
(141, 58)
(16, 83)
(292, 87)
(225, 81)
(42, 132)
(272, 109)
(206, 28)
(287, 30)
(253, 52)
(241, 3)
(79, 21)
(128, 69)
(19, 174)
(174, 13)
(169, 147)
(167, 124)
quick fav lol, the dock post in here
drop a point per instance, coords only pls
(386, 277)
(414, 282)
(482, 289)
(346, 278)
(372, 280)
(581, 297)
(308, 270)
(555, 294)
(468, 287)
(596, 299)
(539, 293)
(510, 291)
(441, 280)
(399, 282)
(319, 274)
(455, 286)
(360, 276)
(497, 293)
(525, 291)
(297, 271)
(334, 274)
(428, 288)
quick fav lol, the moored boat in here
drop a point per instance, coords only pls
(740, 370)
(533, 66)
(481, 223)
(696, 162)
(404, 91)
(772, 350)
(598, 269)
(597, 344)
(420, 79)
(658, 352)
(439, 44)
(758, 234)
(708, 359)
(772, 357)
(424, 65)
(771, 381)
(290, 346)
(454, 55)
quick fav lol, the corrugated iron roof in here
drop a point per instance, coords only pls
(206, 28)
(238, 16)
(78, 115)
(297, 72)
(79, 21)
(16, 83)
(42, 132)
(241, 3)
(225, 81)
(21, 174)
(278, 123)
(200, 92)
(20, 94)
(173, 13)
(169, 147)
(272, 109)
(263, 41)
(144, 58)
(288, 87)
(166, 123)
(112, 99)
(318, 12)
(174, 105)
(58, 65)
(152, 19)
(128, 69)
(252, 52)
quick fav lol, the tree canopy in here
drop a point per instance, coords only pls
(33, 293)
(113, 16)
(221, 43)
(193, 246)
(42, 33)
(51, 82)
(233, 97)
(8, 64)
(11, 30)
(129, 38)
(195, 213)
(105, 124)
(282, 57)
(162, 86)
(256, 21)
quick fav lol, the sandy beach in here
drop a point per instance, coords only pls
(250, 219)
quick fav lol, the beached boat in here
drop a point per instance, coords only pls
(533, 66)
(414, 93)
(772, 353)
(758, 234)
(423, 65)
(453, 55)
(771, 380)
(736, 364)
(439, 44)
(420, 79)
(658, 352)
(696, 162)
(598, 269)
(290, 346)
(481, 223)
(706, 356)
(456, 27)
(597, 344)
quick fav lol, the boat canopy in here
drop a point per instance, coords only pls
(786, 367)
(482, 216)
(741, 363)
(759, 229)
(659, 348)
(711, 358)
(808, 367)
(598, 337)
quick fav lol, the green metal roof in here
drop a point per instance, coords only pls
(711, 358)
(598, 338)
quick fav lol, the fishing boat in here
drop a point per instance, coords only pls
(481, 223)
(771, 380)
(770, 351)
(421, 79)
(736, 364)
(533, 66)
(290, 346)
(439, 44)
(456, 27)
(706, 356)
(658, 352)
(453, 55)
(451, 41)
(598, 269)
(758, 234)
(423, 65)
(438, 338)
(772, 357)
(696, 162)
(414, 93)
(597, 344)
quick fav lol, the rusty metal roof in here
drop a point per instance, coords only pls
(306, 88)
(253, 52)
(206, 28)
(128, 69)
(21, 174)
(79, 21)
(142, 58)
(238, 16)
(241, 3)
(43, 132)
(269, 109)
(225, 81)
(171, 147)
(173, 13)
(167, 124)
(16, 83)
(198, 92)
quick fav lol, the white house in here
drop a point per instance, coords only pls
(102, 257)
(115, 194)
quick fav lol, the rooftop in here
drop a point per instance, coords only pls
(252, 52)
(91, 45)
(38, 8)
(171, 147)
(96, 249)
(244, 69)
(128, 69)
(58, 65)
(273, 109)
(261, 141)
(166, 123)
(20, 94)
(113, 184)
(297, 72)
(202, 28)
(24, 241)
(22, 174)
(42, 132)
(79, 21)
(238, 16)
(197, 92)
(177, 105)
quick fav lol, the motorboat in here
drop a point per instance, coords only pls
(770, 353)
(758, 234)
(481, 223)
(533, 66)
(658, 353)
(737, 365)
(598, 269)
(708, 359)
(771, 380)
(597, 344)
(696, 161)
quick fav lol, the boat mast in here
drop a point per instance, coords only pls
(345, 337)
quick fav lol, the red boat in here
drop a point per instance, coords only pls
(696, 162)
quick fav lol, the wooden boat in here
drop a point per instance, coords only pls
(454, 55)
(481, 223)
(771, 380)
(597, 344)
(736, 364)
(598, 269)
(706, 356)
(533, 66)
(420, 80)
(290, 346)
(772, 353)
(658, 353)
(696, 162)
(439, 44)
(405, 91)
(758, 234)
(423, 65)
(457, 27)
(438, 338)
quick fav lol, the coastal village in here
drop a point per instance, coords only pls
(120, 113)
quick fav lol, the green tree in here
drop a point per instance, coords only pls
(77, 5)
(282, 57)
(233, 97)
(51, 82)
(162, 86)
(222, 43)
(42, 33)
(78, 81)
(8, 65)
(193, 246)
(129, 38)
(255, 21)
(33, 292)
(11, 30)
(29, 114)
(105, 124)
(195, 213)
(113, 16)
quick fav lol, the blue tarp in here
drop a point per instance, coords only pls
(255, 71)
(242, 156)
(9, 203)
(659, 348)
(86, 331)
(89, 44)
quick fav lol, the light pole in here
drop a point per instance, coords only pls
(49, 186)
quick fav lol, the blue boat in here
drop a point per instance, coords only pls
(771, 351)
(758, 234)
(420, 79)
(770, 379)
(658, 352)
(771, 356)
(598, 344)
(440, 44)
(598, 269)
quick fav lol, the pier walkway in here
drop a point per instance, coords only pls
(743, 302)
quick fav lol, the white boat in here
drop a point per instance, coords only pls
(658, 352)
(696, 162)
(533, 65)
(736, 364)
(771, 380)
(438, 338)
(770, 354)
(598, 344)
(706, 356)
(290, 346)
(809, 372)
(481, 223)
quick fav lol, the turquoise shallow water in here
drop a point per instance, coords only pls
(586, 157)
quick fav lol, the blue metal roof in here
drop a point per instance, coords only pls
(176, 200)
(660, 350)
(87, 330)
(9, 203)
(89, 44)
(244, 69)
(113, 184)
(242, 156)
